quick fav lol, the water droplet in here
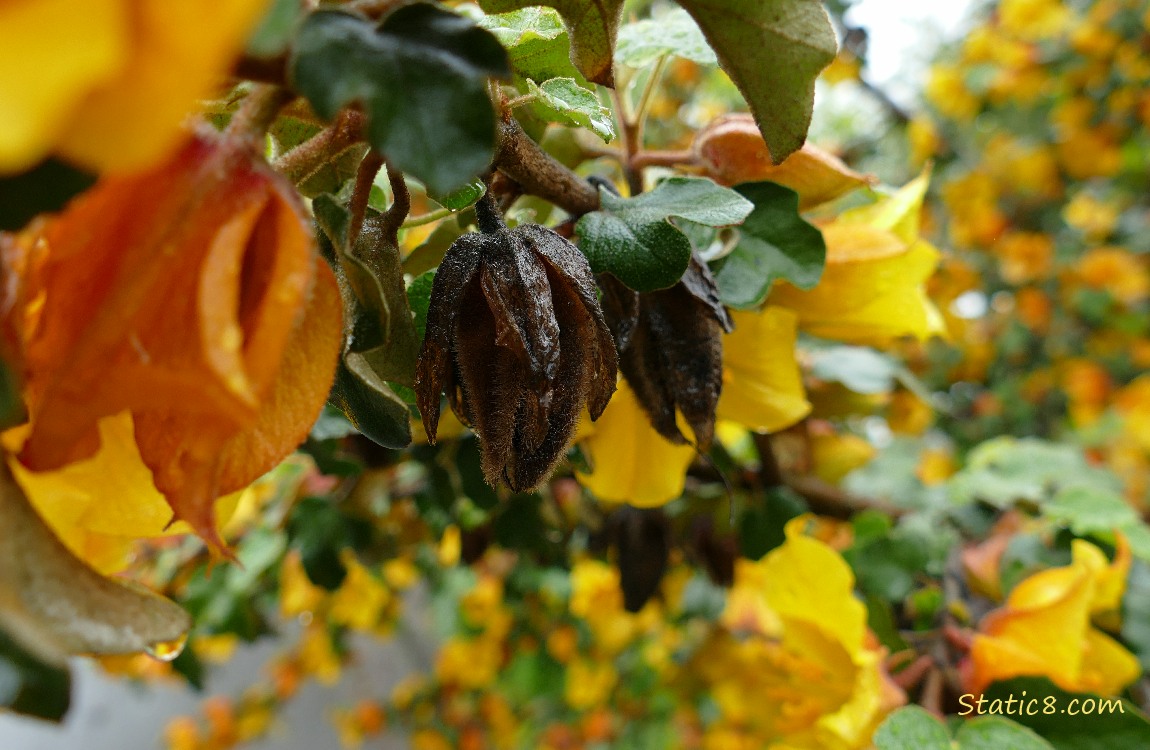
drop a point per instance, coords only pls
(167, 650)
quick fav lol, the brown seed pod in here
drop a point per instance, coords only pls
(517, 341)
(643, 545)
(671, 349)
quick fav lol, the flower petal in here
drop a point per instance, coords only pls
(762, 385)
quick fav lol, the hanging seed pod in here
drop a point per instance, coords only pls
(670, 346)
(643, 543)
(517, 341)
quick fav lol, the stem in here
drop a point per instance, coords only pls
(630, 136)
(308, 157)
(396, 214)
(364, 180)
(427, 218)
(519, 101)
(487, 215)
(258, 111)
(645, 98)
(686, 157)
(538, 173)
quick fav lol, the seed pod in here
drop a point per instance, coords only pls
(517, 340)
(671, 349)
(643, 543)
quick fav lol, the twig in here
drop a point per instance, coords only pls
(258, 111)
(538, 173)
(629, 133)
(396, 215)
(686, 157)
(828, 500)
(364, 180)
(303, 160)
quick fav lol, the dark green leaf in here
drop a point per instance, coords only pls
(30, 686)
(633, 238)
(45, 187)
(276, 30)
(420, 77)
(1136, 612)
(419, 297)
(774, 243)
(461, 197)
(1111, 723)
(564, 101)
(592, 25)
(773, 50)
(761, 526)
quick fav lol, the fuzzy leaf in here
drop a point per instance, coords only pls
(536, 41)
(592, 25)
(675, 33)
(774, 243)
(773, 50)
(633, 239)
(564, 101)
(420, 76)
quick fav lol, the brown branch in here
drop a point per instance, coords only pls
(828, 500)
(400, 206)
(686, 157)
(364, 179)
(271, 70)
(538, 173)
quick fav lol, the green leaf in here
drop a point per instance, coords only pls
(674, 33)
(1136, 612)
(461, 197)
(419, 297)
(592, 26)
(564, 101)
(31, 686)
(369, 403)
(773, 50)
(46, 187)
(775, 242)
(420, 77)
(633, 238)
(912, 728)
(1122, 727)
(1088, 510)
(860, 369)
(997, 733)
(1005, 470)
(536, 41)
(12, 411)
(276, 30)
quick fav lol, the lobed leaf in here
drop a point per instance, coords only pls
(420, 76)
(592, 25)
(775, 242)
(773, 50)
(633, 239)
(564, 101)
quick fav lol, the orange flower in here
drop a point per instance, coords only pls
(1115, 270)
(191, 296)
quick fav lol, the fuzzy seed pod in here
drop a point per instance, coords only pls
(670, 346)
(517, 341)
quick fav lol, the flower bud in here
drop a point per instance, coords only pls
(517, 340)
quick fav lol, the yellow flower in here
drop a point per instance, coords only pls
(947, 91)
(1093, 217)
(872, 290)
(1045, 629)
(1115, 270)
(597, 598)
(762, 390)
(589, 683)
(799, 667)
(107, 83)
(1034, 19)
(1025, 256)
(762, 385)
(631, 462)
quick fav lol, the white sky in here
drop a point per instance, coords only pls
(903, 36)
